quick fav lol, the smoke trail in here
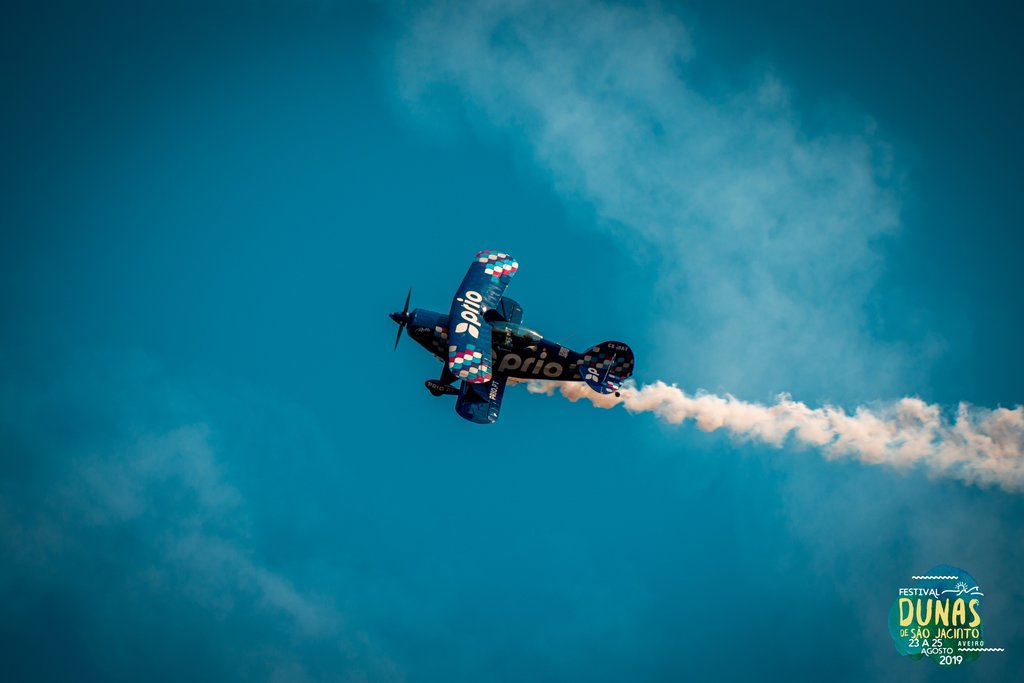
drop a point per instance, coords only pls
(978, 446)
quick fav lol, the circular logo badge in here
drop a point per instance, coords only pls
(939, 616)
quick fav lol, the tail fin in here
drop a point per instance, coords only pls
(603, 367)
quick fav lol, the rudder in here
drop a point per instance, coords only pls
(605, 366)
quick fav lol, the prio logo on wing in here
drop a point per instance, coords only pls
(512, 361)
(472, 307)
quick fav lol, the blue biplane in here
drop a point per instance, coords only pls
(482, 342)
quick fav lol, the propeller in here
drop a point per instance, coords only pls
(402, 318)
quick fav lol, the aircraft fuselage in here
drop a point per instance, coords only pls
(516, 351)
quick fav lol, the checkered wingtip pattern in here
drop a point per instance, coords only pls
(600, 359)
(498, 265)
(468, 364)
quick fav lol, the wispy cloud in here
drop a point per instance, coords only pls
(978, 445)
(172, 481)
(117, 476)
(764, 233)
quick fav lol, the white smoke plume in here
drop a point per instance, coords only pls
(978, 446)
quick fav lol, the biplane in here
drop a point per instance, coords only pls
(482, 343)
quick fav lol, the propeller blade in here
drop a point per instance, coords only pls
(402, 318)
(399, 337)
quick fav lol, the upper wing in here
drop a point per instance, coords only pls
(469, 335)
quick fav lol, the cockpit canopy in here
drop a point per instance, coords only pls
(518, 331)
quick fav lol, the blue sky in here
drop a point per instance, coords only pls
(214, 467)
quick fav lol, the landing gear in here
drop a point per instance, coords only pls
(436, 388)
(443, 385)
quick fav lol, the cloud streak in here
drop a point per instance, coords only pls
(125, 486)
(128, 502)
(764, 230)
(978, 445)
